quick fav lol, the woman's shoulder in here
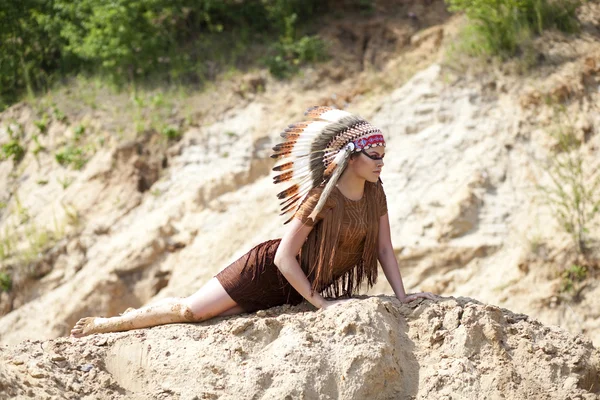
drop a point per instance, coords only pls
(313, 196)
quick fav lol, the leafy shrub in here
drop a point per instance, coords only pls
(289, 53)
(571, 277)
(171, 133)
(501, 27)
(79, 132)
(71, 156)
(130, 40)
(14, 150)
(5, 282)
(574, 195)
(42, 124)
(38, 146)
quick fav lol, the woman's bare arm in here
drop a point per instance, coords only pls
(389, 264)
(285, 260)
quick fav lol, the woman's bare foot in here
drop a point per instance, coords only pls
(87, 326)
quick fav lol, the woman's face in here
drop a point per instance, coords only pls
(365, 167)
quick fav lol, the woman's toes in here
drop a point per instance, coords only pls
(83, 327)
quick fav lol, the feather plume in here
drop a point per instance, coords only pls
(286, 176)
(283, 167)
(341, 162)
(313, 154)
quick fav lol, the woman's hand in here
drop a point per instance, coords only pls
(413, 296)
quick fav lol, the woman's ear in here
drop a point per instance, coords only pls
(351, 160)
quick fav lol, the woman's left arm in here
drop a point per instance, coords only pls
(387, 258)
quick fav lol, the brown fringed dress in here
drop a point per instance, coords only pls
(339, 253)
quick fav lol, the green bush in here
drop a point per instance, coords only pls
(571, 277)
(71, 156)
(574, 194)
(42, 124)
(288, 54)
(502, 27)
(14, 150)
(171, 133)
(5, 282)
(78, 132)
(132, 40)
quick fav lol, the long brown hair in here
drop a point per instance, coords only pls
(318, 252)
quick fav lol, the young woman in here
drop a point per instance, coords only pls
(338, 231)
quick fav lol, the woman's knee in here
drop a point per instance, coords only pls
(183, 310)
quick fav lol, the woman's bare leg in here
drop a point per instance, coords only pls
(232, 311)
(210, 301)
(168, 300)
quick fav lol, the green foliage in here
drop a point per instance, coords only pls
(79, 132)
(289, 53)
(58, 114)
(571, 277)
(574, 195)
(65, 182)
(38, 241)
(5, 282)
(171, 133)
(504, 27)
(14, 150)
(29, 245)
(38, 146)
(71, 156)
(133, 40)
(29, 48)
(6, 244)
(42, 124)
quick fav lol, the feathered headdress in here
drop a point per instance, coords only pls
(317, 151)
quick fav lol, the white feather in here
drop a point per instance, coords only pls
(315, 128)
(334, 115)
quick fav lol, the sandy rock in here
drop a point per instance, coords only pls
(371, 348)
(461, 216)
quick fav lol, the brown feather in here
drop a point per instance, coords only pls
(296, 129)
(329, 170)
(289, 206)
(285, 145)
(281, 155)
(316, 111)
(286, 176)
(284, 167)
(289, 200)
(302, 124)
(288, 192)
